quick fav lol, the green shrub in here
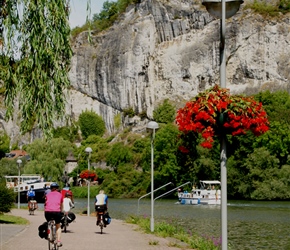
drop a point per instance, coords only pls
(129, 112)
(69, 133)
(284, 5)
(91, 124)
(117, 120)
(7, 199)
(4, 143)
(165, 113)
(263, 8)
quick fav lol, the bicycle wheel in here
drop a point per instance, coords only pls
(101, 223)
(55, 246)
(52, 242)
(65, 223)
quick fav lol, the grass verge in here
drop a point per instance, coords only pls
(163, 229)
(11, 219)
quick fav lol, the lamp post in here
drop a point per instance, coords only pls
(19, 162)
(88, 150)
(152, 126)
(223, 9)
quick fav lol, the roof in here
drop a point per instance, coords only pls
(16, 153)
(70, 157)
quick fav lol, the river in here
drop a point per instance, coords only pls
(252, 225)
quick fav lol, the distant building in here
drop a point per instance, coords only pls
(17, 154)
(71, 163)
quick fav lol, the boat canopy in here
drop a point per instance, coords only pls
(211, 182)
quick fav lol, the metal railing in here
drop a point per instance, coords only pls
(171, 190)
(150, 193)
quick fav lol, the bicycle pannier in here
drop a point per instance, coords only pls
(107, 218)
(42, 230)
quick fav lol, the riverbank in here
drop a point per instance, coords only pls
(118, 235)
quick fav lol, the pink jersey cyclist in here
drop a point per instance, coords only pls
(52, 209)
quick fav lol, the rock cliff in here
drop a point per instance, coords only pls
(170, 50)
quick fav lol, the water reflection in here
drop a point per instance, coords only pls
(251, 225)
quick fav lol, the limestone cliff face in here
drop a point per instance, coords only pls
(170, 49)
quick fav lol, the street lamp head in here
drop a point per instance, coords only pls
(214, 7)
(152, 125)
(19, 161)
(88, 150)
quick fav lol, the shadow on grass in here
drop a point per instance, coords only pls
(7, 222)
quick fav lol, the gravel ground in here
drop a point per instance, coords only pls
(81, 234)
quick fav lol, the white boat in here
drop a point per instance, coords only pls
(25, 183)
(209, 193)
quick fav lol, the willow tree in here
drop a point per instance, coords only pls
(35, 57)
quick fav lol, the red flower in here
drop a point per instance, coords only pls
(183, 149)
(86, 174)
(215, 110)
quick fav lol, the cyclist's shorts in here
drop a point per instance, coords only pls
(53, 215)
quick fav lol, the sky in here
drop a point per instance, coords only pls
(79, 11)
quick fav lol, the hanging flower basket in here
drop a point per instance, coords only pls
(89, 175)
(215, 112)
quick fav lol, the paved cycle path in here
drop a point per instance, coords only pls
(81, 234)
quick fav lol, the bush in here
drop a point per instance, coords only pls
(129, 112)
(69, 133)
(284, 5)
(165, 113)
(91, 124)
(263, 8)
(7, 199)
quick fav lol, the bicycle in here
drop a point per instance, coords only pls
(51, 235)
(100, 220)
(32, 205)
(65, 223)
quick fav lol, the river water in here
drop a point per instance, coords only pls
(252, 225)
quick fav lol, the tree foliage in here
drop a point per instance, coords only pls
(4, 143)
(91, 124)
(48, 158)
(119, 155)
(109, 11)
(35, 60)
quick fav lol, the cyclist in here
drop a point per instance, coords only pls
(67, 205)
(67, 190)
(101, 203)
(52, 209)
(30, 195)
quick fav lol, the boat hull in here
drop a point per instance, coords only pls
(199, 201)
(27, 182)
(39, 196)
(206, 195)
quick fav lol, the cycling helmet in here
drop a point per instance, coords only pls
(67, 194)
(54, 185)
